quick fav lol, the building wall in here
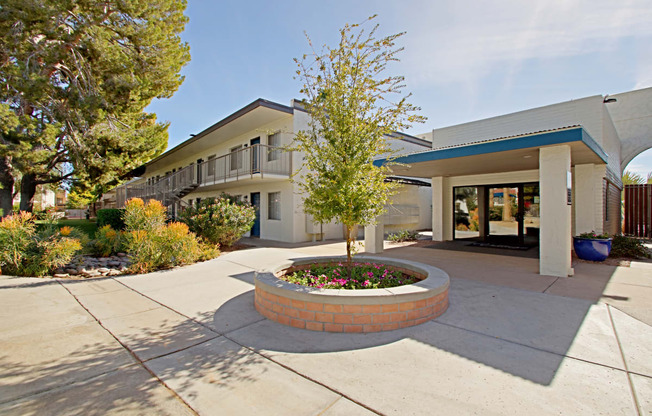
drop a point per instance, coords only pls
(612, 208)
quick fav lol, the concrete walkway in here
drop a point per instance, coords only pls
(188, 341)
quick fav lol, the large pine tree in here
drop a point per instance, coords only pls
(75, 77)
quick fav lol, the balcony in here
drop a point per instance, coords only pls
(252, 162)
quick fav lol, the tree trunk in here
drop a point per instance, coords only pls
(349, 246)
(27, 192)
(6, 187)
(507, 204)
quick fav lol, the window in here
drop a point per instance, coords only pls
(236, 158)
(210, 170)
(274, 140)
(274, 205)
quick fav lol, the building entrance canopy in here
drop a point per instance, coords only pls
(506, 154)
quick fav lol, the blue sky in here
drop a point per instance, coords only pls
(464, 60)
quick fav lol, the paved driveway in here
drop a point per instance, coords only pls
(188, 341)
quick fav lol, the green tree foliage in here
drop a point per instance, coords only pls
(79, 199)
(631, 178)
(353, 105)
(76, 77)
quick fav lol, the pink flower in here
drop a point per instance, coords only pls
(366, 283)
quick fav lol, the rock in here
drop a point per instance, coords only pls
(124, 268)
(114, 272)
(114, 263)
(122, 254)
(61, 275)
(103, 270)
(72, 272)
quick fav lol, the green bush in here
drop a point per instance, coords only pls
(152, 244)
(112, 217)
(404, 235)
(26, 252)
(622, 246)
(220, 220)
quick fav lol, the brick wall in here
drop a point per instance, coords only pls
(333, 317)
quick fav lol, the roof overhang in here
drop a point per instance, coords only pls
(497, 155)
(258, 113)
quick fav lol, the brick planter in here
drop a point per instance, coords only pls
(364, 310)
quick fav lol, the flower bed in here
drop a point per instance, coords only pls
(334, 276)
(341, 310)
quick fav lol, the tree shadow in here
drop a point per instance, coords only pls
(522, 333)
(80, 369)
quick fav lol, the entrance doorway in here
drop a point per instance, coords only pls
(255, 201)
(502, 214)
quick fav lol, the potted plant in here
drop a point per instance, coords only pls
(592, 246)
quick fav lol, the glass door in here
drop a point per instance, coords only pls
(504, 218)
(531, 201)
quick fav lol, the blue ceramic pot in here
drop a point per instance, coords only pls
(592, 249)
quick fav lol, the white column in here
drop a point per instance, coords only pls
(584, 193)
(373, 237)
(555, 234)
(438, 208)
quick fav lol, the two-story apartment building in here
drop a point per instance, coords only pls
(244, 155)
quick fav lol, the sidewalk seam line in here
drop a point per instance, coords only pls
(138, 360)
(530, 346)
(622, 356)
(66, 385)
(257, 352)
(553, 282)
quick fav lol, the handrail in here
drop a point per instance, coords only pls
(258, 159)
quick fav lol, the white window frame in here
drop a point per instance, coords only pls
(274, 206)
(273, 140)
(210, 167)
(235, 155)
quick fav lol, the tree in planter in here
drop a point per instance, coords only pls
(76, 79)
(353, 105)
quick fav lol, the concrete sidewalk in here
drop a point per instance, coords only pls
(188, 341)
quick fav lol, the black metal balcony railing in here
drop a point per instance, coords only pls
(242, 164)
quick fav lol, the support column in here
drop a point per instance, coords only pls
(584, 194)
(438, 208)
(374, 237)
(555, 235)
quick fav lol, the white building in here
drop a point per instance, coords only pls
(558, 167)
(241, 155)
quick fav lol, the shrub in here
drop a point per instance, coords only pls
(140, 216)
(151, 244)
(26, 252)
(404, 235)
(107, 242)
(220, 220)
(112, 217)
(622, 246)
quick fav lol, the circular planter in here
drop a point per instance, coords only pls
(592, 249)
(363, 310)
